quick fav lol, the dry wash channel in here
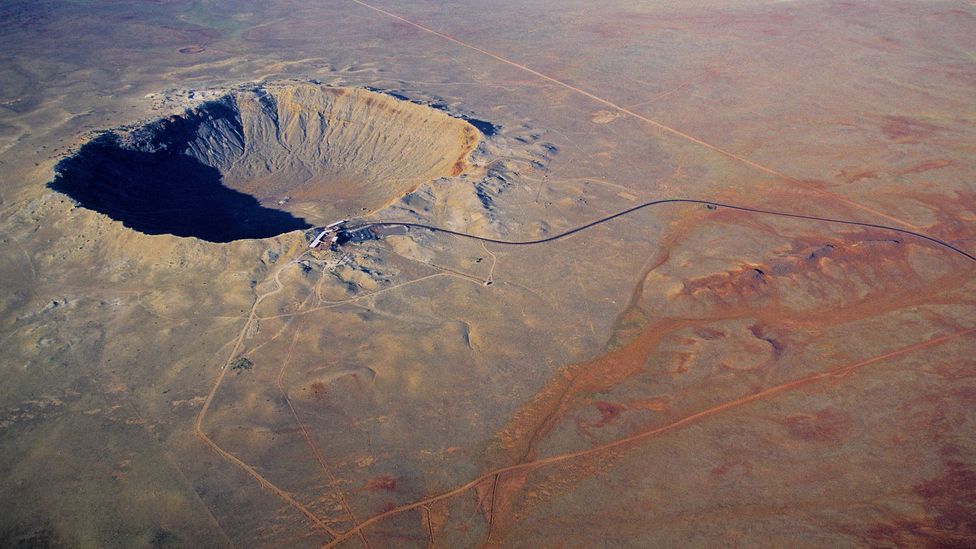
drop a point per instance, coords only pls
(266, 160)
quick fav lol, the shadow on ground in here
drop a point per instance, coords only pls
(164, 192)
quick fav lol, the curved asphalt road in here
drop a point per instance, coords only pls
(708, 203)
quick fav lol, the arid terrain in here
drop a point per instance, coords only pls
(627, 274)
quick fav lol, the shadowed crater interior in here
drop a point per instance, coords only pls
(264, 161)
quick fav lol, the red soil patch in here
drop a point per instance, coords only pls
(903, 129)
(708, 334)
(953, 371)
(744, 282)
(926, 166)
(319, 390)
(827, 426)
(853, 175)
(382, 483)
(609, 411)
(654, 404)
(732, 466)
(950, 504)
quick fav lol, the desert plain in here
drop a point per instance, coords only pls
(772, 346)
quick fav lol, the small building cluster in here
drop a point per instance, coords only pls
(337, 235)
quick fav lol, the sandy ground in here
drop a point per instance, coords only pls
(681, 376)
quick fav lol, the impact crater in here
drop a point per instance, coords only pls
(263, 161)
